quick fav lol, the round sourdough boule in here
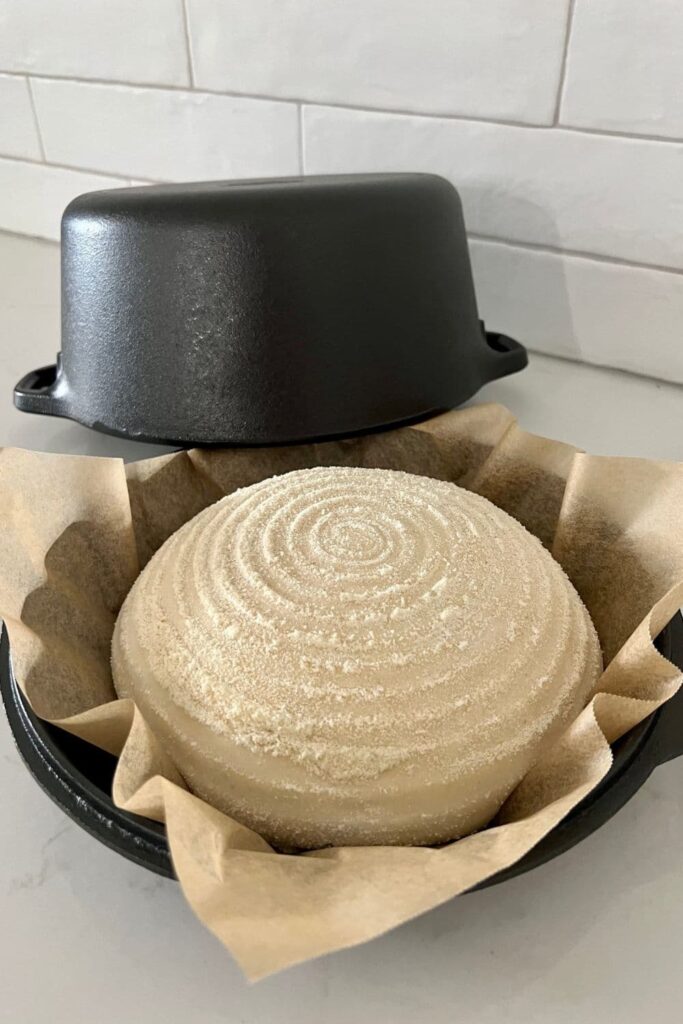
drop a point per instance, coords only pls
(355, 656)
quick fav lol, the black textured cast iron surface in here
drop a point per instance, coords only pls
(266, 312)
(78, 776)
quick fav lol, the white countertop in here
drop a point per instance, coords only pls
(596, 935)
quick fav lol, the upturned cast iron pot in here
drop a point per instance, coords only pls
(266, 312)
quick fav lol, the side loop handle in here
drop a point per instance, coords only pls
(35, 392)
(508, 355)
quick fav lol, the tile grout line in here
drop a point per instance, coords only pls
(188, 43)
(76, 170)
(610, 133)
(360, 109)
(514, 243)
(36, 121)
(475, 236)
(607, 367)
(565, 59)
(579, 254)
(13, 233)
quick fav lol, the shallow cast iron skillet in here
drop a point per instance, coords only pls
(78, 776)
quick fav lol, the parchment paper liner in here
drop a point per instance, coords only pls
(75, 531)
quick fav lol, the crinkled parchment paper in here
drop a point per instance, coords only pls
(76, 531)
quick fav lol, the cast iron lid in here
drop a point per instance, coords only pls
(78, 776)
(266, 312)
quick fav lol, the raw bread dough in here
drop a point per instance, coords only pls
(355, 656)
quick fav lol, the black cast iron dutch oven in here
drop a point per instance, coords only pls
(78, 776)
(266, 312)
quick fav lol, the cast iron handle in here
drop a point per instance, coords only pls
(508, 355)
(35, 392)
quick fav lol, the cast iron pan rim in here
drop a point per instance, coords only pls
(182, 443)
(41, 392)
(139, 839)
(144, 841)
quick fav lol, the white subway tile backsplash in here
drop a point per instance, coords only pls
(164, 134)
(563, 189)
(103, 93)
(498, 59)
(18, 135)
(33, 196)
(598, 312)
(625, 67)
(125, 40)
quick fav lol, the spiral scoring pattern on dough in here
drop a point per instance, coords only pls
(361, 635)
